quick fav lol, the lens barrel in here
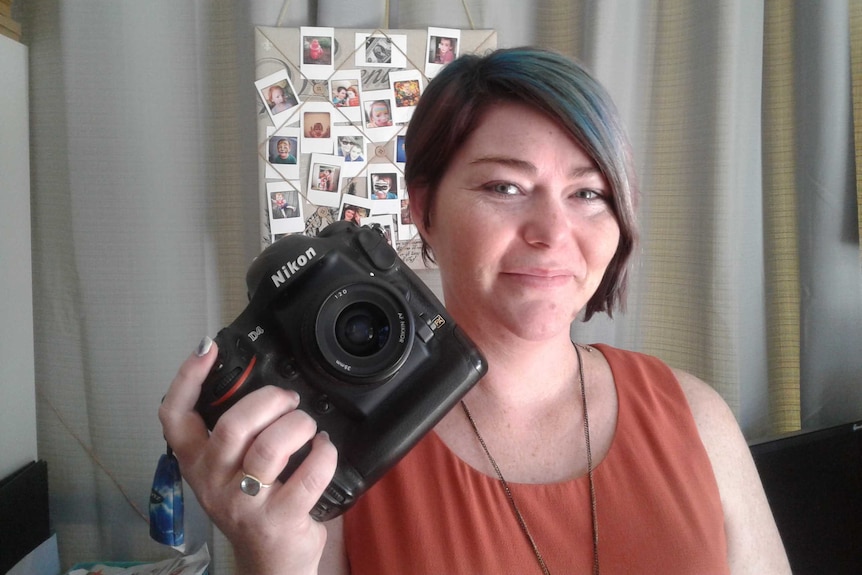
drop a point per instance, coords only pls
(364, 330)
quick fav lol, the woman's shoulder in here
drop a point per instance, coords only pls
(711, 412)
(754, 545)
(712, 416)
(701, 396)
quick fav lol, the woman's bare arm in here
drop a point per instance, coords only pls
(754, 544)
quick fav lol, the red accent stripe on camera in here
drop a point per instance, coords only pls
(240, 380)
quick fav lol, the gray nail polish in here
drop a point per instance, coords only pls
(204, 346)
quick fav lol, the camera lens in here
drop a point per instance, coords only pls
(364, 331)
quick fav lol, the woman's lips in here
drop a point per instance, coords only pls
(541, 278)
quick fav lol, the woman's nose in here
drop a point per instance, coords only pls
(546, 223)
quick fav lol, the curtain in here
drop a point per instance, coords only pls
(145, 210)
(780, 221)
(856, 74)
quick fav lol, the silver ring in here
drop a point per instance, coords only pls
(251, 485)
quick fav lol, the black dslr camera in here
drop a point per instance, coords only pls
(373, 354)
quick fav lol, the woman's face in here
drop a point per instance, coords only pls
(522, 232)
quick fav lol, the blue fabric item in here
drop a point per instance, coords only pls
(166, 502)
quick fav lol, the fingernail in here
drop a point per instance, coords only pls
(204, 346)
(324, 435)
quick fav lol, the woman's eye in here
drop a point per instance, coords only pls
(590, 195)
(505, 188)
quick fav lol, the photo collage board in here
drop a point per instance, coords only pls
(333, 108)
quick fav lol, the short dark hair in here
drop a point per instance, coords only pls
(456, 100)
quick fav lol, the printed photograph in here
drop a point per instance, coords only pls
(324, 180)
(316, 125)
(442, 48)
(316, 45)
(378, 50)
(345, 93)
(406, 86)
(285, 207)
(378, 114)
(351, 148)
(406, 93)
(317, 50)
(354, 209)
(400, 154)
(383, 185)
(284, 204)
(279, 98)
(282, 150)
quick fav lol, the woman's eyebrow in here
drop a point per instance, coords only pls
(585, 171)
(525, 166)
(508, 161)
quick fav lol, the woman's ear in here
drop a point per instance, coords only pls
(419, 208)
(421, 204)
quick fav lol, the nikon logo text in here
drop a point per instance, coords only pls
(290, 268)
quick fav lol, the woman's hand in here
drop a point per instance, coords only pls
(272, 532)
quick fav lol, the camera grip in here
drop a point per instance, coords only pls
(230, 378)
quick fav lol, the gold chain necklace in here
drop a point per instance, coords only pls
(508, 491)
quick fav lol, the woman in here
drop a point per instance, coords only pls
(565, 458)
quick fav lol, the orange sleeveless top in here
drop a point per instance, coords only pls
(658, 505)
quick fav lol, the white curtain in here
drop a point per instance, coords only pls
(145, 209)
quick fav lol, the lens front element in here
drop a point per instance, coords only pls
(364, 330)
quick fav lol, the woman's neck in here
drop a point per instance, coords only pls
(522, 373)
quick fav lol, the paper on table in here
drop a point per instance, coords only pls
(43, 560)
(193, 564)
